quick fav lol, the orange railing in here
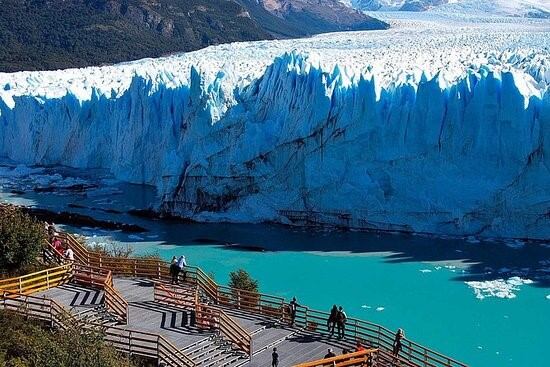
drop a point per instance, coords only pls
(101, 278)
(128, 341)
(174, 295)
(38, 281)
(371, 334)
(361, 358)
(214, 318)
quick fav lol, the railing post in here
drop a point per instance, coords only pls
(20, 288)
(130, 343)
(48, 278)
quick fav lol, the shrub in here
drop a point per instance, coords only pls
(240, 279)
(29, 343)
(21, 239)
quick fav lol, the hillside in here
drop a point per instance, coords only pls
(58, 34)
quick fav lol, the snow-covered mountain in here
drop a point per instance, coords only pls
(441, 128)
(518, 8)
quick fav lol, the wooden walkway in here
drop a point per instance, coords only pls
(199, 323)
(145, 314)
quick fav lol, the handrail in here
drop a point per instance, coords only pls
(351, 359)
(125, 340)
(38, 281)
(176, 295)
(210, 317)
(272, 306)
(102, 278)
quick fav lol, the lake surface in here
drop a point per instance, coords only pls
(486, 303)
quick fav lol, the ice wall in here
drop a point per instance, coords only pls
(300, 143)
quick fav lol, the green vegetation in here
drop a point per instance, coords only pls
(21, 239)
(25, 343)
(55, 34)
(240, 279)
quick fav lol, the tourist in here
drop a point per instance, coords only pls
(345, 351)
(330, 354)
(397, 344)
(274, 358)
(292, 307)
(359, 346)
(57, 245)
(181, 268)
(174, 270)
(69, 254)
(331, 322)
(341, 319)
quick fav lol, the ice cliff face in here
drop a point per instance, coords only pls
(458, 146)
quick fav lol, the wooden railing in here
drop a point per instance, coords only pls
(102, 278)
(360, 358)
(128, 341)
(174, 295)
(38, 281)
(213, 318)
(315, 321)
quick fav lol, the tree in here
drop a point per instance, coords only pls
(240, 279)
(21, 238)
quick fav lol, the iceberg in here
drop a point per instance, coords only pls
(450, 135)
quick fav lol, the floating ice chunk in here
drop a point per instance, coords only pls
(425, 271)
(548, 297)
(499, 288)
(380, 309)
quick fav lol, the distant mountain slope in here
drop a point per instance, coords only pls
(518, 8)
(306, 17)
(57, 34)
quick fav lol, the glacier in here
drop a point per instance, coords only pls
(429, 127)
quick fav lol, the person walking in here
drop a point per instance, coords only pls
(181, 264)
(359, 346)
(397, 343)
(173, 270)
(69, 254)
(341, 319)
(274, 358)
(331, 322)
(292, 307)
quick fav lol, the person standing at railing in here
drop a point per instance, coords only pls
(341, 320)
(397, 343)
(181, 268)
(274, 358)
(292, 308)
(174, 270)
(331, 322)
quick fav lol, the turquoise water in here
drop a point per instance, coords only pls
(412, 282)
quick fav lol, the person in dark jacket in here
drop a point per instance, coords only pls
(292, 308)
(397, 343)
(341, 319)
(274, 358)
(174, 271)
(330, 354)
(331, 322)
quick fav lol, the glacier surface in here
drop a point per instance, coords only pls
(438, 127)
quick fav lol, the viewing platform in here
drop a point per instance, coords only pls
(195, 323)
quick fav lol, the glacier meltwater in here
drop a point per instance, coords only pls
(438, 128)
